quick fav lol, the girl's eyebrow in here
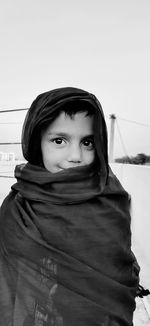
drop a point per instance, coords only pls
(63, 134)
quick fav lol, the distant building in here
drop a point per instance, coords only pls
(4, 156)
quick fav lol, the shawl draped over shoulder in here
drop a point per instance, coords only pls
(65, 238)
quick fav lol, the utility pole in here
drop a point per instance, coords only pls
(111, 139)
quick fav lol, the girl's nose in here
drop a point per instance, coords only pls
(74, 154)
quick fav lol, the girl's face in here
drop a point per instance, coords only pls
(68, 142)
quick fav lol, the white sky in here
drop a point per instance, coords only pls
(102, 46)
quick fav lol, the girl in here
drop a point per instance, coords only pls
(65, 239)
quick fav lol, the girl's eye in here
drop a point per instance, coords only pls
(88, 143)
(58, 141)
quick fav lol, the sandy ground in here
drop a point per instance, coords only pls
(142, 312)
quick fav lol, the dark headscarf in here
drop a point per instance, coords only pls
(44, 110)
(65, 239)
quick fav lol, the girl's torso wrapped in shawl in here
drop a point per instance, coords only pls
(65, 250)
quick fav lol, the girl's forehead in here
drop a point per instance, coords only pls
(80, 121)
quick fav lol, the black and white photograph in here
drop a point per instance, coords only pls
(74, 163)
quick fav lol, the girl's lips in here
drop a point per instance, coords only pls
(68, 167)
(59, 168)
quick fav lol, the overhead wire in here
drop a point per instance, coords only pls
(13, 110)
(10, 143)
(135, 122)
(131, 121)
(121, 138)
(7, 176)
(10, 123)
